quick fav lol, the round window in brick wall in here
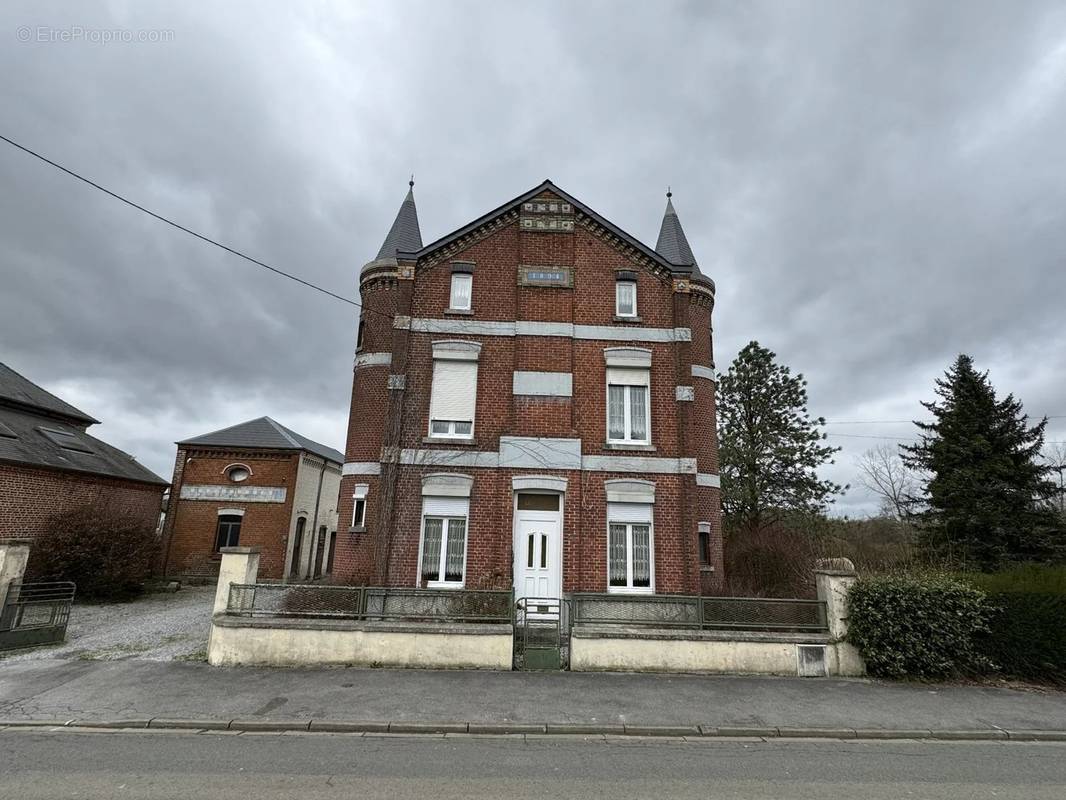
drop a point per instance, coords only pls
(238, 473)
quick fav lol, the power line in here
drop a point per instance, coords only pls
(899, 438)
(898, 421)
(189, 231)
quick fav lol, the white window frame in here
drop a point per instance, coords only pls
(451, 351)
(451, 432)
(627, 411)
(359, 495)
(446, 530)
(458, 277)
(629, 588)
(618, 297)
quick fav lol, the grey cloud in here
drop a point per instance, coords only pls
(874, 187)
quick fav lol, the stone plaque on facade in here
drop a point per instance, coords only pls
(244, 494)
(562, 277)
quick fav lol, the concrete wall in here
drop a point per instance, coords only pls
(289, 643)
(619, 649)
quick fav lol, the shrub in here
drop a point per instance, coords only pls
(1027, 634)
(769, 562)
(917, 626)
(99, 547)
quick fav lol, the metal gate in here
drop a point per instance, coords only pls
(35, 614)
(542, 633)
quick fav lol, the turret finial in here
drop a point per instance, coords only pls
(669, 194)
(411, 182)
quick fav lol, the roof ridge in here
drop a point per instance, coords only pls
(288, 434)
(227, 428)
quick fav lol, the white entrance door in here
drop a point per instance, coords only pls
(538, 556)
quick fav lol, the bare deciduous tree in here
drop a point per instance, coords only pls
(1054, 455)
(883, 472)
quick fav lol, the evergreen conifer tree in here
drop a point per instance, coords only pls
(768, 445)
(985, 492)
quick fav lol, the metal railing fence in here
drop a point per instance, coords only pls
(370, 603)
(700, 613)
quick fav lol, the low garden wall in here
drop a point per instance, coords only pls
(240, 641)
(756, 636)
(613, 648)
(306, 625)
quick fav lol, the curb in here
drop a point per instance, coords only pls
(542, 729)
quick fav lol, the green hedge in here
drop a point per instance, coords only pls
(1027, 628)
(918, 626)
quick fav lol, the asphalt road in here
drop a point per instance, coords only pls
(67, 763)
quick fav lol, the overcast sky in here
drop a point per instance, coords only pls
(874, 187)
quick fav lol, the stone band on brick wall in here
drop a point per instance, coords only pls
(535, 454)
(707, 479)
(373, 359)
(543, 384)
(362, 468)
(699, 371)
(474, 327)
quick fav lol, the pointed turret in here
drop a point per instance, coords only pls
(672, 244)
(404, 235)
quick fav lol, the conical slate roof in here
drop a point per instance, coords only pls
(404, 235)
(266, 434)
(672, 244)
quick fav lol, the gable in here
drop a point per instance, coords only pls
(533, 212)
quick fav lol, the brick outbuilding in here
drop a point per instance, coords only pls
(253, 484)
(533, 406)
(50, 464)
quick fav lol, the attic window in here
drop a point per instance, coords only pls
(6, 432)
(68, 441)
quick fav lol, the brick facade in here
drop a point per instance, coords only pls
(388, 426)
(30, 498)
(190, 530)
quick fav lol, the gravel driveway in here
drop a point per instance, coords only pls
(155, 627)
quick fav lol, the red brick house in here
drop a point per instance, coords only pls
(253, 484)
(50, 464)
(533, 406)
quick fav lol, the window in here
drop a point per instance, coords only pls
(630, 558)
(444, 541)
(360, 334)
(359, 506)
(625, 298)
(297, 547)
(628, 412)
(462, 290)
(332, 552)
(705, 548)
(444, 549)
(238, 473)
(68, 441)
(229, 531)
(454, 394)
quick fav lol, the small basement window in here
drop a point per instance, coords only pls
(68, 441)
